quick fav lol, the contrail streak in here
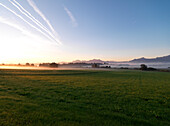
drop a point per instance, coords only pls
(27, 22)
(40, 25)
(73, 20)
(33, 5)
(16, 26)
(29, 14)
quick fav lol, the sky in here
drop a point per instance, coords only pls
(65, 30)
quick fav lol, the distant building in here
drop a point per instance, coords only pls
(95, 65)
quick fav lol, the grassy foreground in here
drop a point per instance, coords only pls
(94, 98)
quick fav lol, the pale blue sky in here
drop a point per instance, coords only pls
(87, 29)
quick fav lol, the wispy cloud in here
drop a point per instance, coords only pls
(73, 20)
(41, 28)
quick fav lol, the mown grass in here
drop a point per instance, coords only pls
(81, 97)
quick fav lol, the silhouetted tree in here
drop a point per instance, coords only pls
(143, 67)
(27, 64)
(53, 64)
(32, 64)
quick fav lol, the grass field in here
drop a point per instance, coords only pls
(84, 97)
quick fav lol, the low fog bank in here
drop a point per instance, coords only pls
(48, 68)
(85, 66)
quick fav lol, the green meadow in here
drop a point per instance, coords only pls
(84, 98)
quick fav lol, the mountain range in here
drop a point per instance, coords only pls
(157, 59)
(139, 60)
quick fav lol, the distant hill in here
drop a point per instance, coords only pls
(89, 61)
(93, 61)
(157, 59)
(140, 60)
